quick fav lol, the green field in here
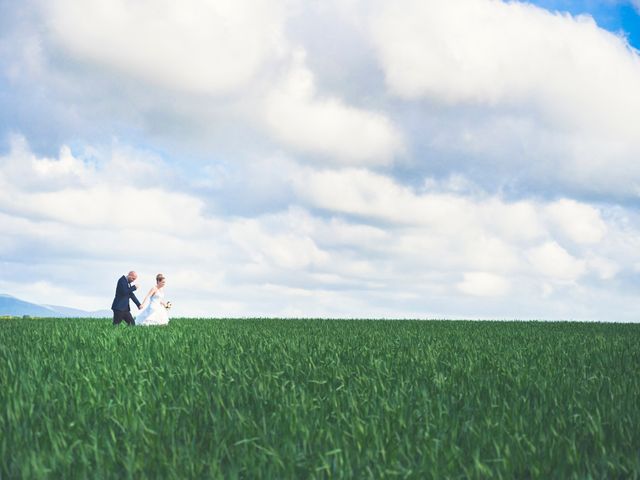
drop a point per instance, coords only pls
(318, 399)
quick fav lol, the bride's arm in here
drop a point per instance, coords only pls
(151, 292)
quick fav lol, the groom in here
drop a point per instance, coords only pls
(124, 292)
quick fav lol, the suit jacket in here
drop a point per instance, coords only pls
(124, 292)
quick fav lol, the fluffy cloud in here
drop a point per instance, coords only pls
(515, 54)
(579, 222)
(503, 91)
(552, 260)
(29, 172)
(544, 94)
(69, 190)
(326, 126)
(203, 47)
(350, 243)
(210, 69)
(451, 232)
(372, 195)
(483, 284)
(288, 250)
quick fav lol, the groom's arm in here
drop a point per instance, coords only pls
(124, 288)
(133, 297)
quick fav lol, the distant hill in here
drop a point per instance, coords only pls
(12, 306)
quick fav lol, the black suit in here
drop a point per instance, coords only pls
(120, 305)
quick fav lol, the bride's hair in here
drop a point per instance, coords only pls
(159, 277)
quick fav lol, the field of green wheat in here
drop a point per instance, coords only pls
(268, 398)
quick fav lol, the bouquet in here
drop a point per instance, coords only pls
(168, 305)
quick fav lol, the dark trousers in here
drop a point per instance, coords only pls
(120, 315)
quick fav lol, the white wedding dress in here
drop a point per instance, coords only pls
(154, 313)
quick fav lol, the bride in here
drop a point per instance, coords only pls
(156, 313)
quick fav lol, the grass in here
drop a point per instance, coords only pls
(268, 398)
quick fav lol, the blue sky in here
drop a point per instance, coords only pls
(473, 159)
(615, 16)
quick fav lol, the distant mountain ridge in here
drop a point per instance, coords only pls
(12, 306)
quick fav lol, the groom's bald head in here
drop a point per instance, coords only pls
(131, 276)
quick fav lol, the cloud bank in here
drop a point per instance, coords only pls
(388, 249)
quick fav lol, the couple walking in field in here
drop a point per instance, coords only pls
(156, 312)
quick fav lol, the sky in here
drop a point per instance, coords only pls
(344, 158)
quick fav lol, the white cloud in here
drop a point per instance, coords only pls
(553, 261)
(483, 284)
(68, 190)
(579, 222)
(454, 232)
(499, 91)
(379, 249)
(27, 171)
(284, 250)
(196, 46)
(327, 126)
(605, 268)
(230, 68)
(531, 93)
(361, 192)
(492, 53)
